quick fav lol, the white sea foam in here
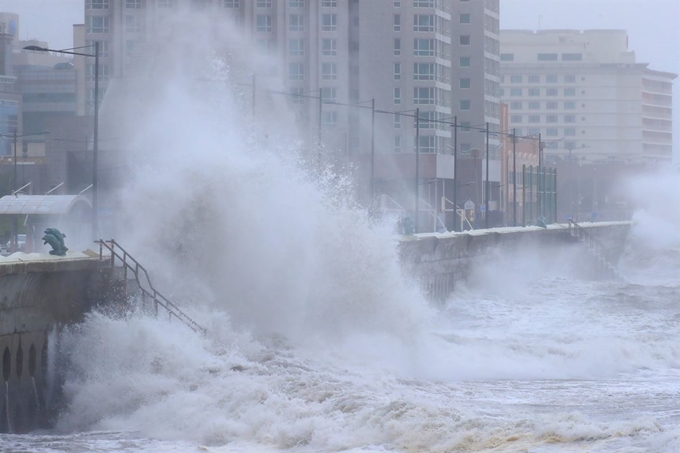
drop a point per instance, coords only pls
(318, 341)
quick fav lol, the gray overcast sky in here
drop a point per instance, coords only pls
(653, 25)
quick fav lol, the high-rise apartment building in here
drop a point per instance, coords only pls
(586, 94)
(438, 56)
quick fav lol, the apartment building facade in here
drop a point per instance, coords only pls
(440, 57)
(586, 94)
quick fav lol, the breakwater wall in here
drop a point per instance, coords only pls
(38, 296)
(441, 261)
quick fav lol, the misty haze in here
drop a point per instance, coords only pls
(339, 225)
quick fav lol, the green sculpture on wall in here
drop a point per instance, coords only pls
(55, 238)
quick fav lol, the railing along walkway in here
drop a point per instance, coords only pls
(597, 248)
(141, 275)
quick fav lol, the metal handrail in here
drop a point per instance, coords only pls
(159, 299)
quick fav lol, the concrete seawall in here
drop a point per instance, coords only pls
(442, 260)
(41, 294)
(38, 296)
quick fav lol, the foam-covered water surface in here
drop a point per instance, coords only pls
(318, 340)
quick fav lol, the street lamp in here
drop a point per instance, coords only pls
(95, 149)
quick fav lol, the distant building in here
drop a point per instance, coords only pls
(440, 57)
(586, 94)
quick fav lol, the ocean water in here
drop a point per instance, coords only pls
(317, 339)
(529, 363)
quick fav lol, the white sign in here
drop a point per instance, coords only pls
(469, 205)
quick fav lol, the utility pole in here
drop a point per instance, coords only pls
(514, 178)
(319, 125)
(372, 200)
(417, 168)
(455, 171)
(486, 186)
(15, 227)
(95, 148)
(539, 210)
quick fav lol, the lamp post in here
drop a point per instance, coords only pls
(417, 207)
(95, 148)
(455, 170)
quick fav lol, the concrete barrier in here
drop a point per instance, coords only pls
(39, 296)
(442, 260)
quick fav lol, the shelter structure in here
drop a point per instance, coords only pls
(71, 214)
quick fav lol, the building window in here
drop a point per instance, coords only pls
(424, 22)
(330, 119)
(570, 105)
(296, 47)
(397, 71)
(464, 40)
(424, 47)
(516, 105)
(129, 47)
(552, 132)
(296, 22)
(297, 95)
(397, 47)
(507, 57)
(133, 4)
(551, 92)
(233, 4)
(570, 91)
(397, 3)
(426, 144)
(551, 79)
(552, 105)
(264, 3)
(464, 83)
(464, 62)
(572, 57)
(329, 3)
(296, 71)
(464, 19)
(397, 121)
(97, 4)
(547, 57)
(171, 4)
(423, 71)
(534, 92)
(263, 23)
(396, 21)
(132, 24)
(329, 22)
(329, 46)
(97, 24)
(423, 96)
(534, 105)
(534, 118)
(516, 119)
(103, 47)
(329, 71)
(516, 92)
(569, 79)
(397, 144)
(516, 79)
(296, 3)
(266, 46)
(570, 131)
(464, 105)
(397, 96)
(569, 118)
(551, 119)
(424, 3)
(103, 72)
(534, 79)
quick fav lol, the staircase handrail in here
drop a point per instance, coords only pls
(582, 232)
(157, 296)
